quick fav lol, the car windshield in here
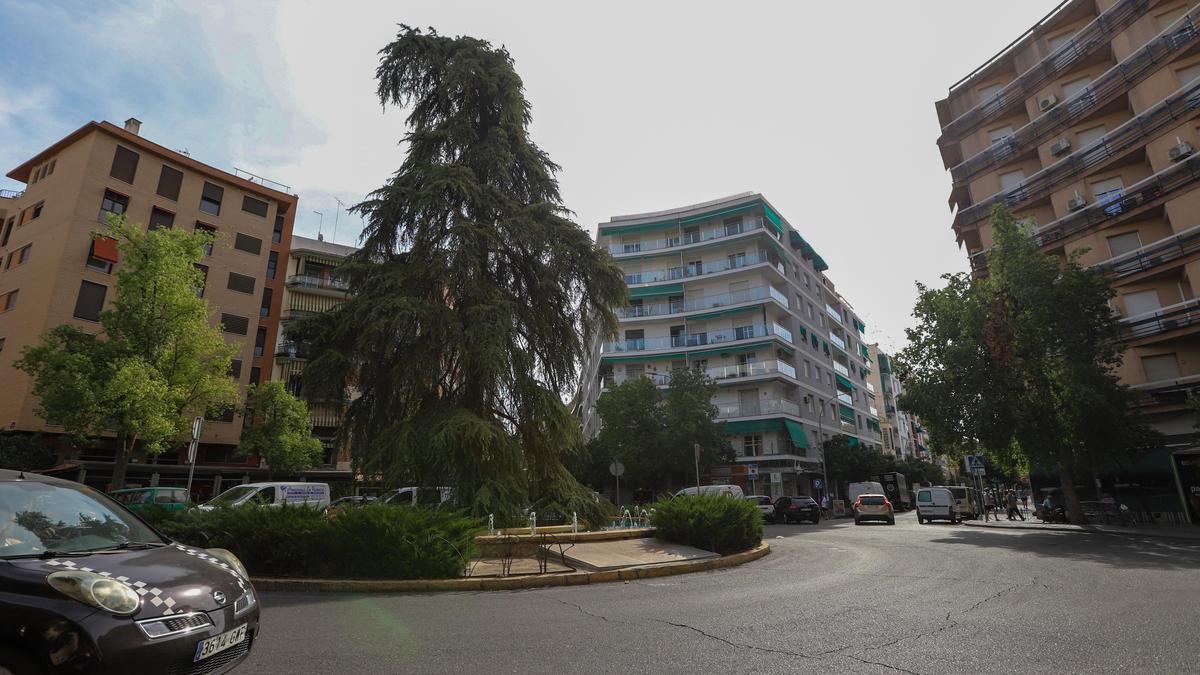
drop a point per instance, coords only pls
(39, 517)
(806, 500)
(762, 501)
(872, 500)
(232, 495)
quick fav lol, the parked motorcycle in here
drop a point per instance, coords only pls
(1053, 514)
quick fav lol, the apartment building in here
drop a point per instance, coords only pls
(54, 273)
(731, 288)
(895, 426)
(312, 287)
(1087, 124)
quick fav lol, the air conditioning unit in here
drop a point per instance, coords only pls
(1180, 150)
(1075, 203)
(1048, 102)
(1060, 147)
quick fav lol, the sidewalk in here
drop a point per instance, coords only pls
(1188, 532)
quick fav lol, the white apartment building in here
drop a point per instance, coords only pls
(731, 288)
(896, 426)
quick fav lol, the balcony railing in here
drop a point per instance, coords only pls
(748, 225)
(870, 387)
(1179, 36)
(706, 302)
(848, 427)
(763, 407)
(837, 315)
(11, 194)
(754, 369)
(1179, 315)
(1129, 135)
(845, 398)
(840, 369)
(770, 448)
(690, 271)
(1153, 254)
(1166, 392)
(325, 283)
(1092, 36)
(288, 350)
(839, 342)
(874, 411)
(711, 337)
(294, 314)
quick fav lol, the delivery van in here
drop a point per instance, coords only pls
(315, 495)
(708, 490)
(936, 503)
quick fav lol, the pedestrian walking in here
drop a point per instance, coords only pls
(1024, 501)
(989, 507)
(1011, 498)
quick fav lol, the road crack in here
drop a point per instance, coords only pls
(592, 614)
(739, 645)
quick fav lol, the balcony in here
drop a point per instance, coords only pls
(287, 350)
(332, 285)
(755, 369)
(295, 314)
(1166, 392)
(1132, 134)
(845, 397)
(1152, 255)
(610, 381)
(847, 427)
(840, 369)
(772, 448)
(692, 271)
(700, 304)
(1096, 34)
(870, 387)
(748, 225)
(11, 194)
(1114, 82)
(834, 313)
(711, 337)
(837, 342)
(762, 407)
(873, 410)
(1172, 317)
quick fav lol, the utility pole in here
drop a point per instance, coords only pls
(320, 224)
(335, 217)
(821, 443)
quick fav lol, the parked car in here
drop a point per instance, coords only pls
(936, 503)
(418, 496)
(764, 505)
(139, 499)
(315, 495)
(796, 509)
(966, 500)
(726, 490)
(873, 507)
(87, 586)
(352, 500)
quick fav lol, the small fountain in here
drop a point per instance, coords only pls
(491, 523)
(574, 523)
(644, 516)
(533, 522)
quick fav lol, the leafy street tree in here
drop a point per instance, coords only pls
(156, 361)
(653, 433)
(474, 295)
(1021, 362)
(24, 452)
(853, 463)
(282, 430)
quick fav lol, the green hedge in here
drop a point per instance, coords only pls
(367, 542)
(711, 522)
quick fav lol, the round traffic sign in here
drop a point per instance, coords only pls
(616, 468)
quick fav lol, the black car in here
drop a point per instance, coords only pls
(796, 509)
(86, 586)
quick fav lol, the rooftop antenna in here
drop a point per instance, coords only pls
(335, 217)
(320, 224)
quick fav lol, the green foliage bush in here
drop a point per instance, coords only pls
(711, 522)
(366, 542)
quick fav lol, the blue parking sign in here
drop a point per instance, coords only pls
(818, 483)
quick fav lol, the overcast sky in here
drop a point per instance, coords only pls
(826, 108)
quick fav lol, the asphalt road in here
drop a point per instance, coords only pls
(829, 598)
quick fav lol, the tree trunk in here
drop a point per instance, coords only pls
(1066, 477)
(119, 463)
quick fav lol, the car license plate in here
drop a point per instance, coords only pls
(219, 643)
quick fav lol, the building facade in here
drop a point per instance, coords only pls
(1088, 126)
(730, 288)
(312, 288)
(54, 273)
(895, 427)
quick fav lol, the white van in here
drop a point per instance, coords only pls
(865, 488)
(725, 490)
(315, 495)
(936, 503)
(418, 496)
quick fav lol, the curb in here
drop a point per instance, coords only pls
(1085, 529)
(508, 583)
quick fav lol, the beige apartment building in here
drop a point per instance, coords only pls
(53, 272)
(1088, 124)
(731, 288)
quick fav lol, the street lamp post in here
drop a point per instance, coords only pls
(821, 443)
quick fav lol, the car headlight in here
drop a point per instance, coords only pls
(96, 590)
(226, 556)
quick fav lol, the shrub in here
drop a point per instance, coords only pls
(711, 522)
(368, 542)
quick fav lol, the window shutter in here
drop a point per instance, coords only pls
(238, 325)
(90, 301)
(213, 192)
(240, 283)
(124, 165)
(244, 242)
(169, 182)
(256, 206)
(105, 248)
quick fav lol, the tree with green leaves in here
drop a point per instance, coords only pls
(473, 297)
(653, 432)
(1021, 361)
(281, 432)
(155, 362)
(24, 452)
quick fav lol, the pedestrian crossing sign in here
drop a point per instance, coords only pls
(974, 465)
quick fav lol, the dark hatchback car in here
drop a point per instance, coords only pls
(85, 586)
(796, 509)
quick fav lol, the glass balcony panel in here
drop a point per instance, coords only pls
(840, 369)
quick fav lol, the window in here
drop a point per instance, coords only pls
(272, 264)
(1141, 302)
(225, 415)
(2, 344)
(240, 283)
(990, 92)
(752, 445)
(98, 264)
(1011, 180)
(1124, 243)
(997, 135)
(8, 301)
(1082, 88)
(244, 242)
(203, 279)
(208, 229)
(277, 233)
(733, 226)
(260, 340)
(37, 210)
(232, 323)
(50, 170)
(1188, 75)
(743, 332)
(210, 198)
(255, 206)
(161, 219)
(169, 181)
(18, 257)
(124, 164)
(235, 369)
(255, 374)
(90, 301)
(1161, 367)
(8, 228)
(1089, 136)
(807, 369)
(1055, 43)
(114, 204)
(265, 308)
(1108, 193)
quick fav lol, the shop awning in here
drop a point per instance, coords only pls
(773, 219)
(739, 349)
(641, 357)
(796, 431)
(751, 427)
(642, 227)
(105, 248)
(714, 214)
(844, 381)
(851, 440)
(725, 312)
(846, 412)
(651, 291)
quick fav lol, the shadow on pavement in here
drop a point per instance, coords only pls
(1113, 550)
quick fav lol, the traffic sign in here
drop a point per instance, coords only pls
(616, 468)
(818, 483)
(974, 465)
(752, 470)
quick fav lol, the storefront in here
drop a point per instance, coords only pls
(1187, 474)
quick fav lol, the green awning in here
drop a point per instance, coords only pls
(725, 312)
(751, 427)
(641, 357)
(643, 227)
(714, 214)
(862, 327)
(819, 263)
(773, 218)
(844, 381)
(651, 291)
(851, 440)
(796, 431)
(846, 412)
(732, 350)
